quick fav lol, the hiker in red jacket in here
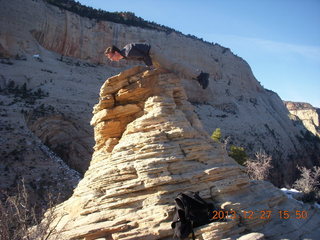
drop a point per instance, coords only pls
(155, 56)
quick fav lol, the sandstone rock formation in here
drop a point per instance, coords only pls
(309, 115)
(150, 145)
(235, 102)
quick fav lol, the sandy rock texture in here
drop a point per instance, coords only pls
(160, 150)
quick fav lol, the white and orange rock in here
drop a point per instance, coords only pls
(150, 146)
(234, 101)
(305, 112)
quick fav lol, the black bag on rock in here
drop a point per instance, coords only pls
(190, 211)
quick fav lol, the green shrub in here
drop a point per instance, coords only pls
(216, 135)
(238, 154)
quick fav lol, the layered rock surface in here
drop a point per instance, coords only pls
(235, 102)
(150, 145)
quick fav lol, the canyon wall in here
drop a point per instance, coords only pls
(235, 102)
(307, 114)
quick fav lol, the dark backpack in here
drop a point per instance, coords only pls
(190, 211)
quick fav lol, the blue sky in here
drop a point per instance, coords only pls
(280, 39)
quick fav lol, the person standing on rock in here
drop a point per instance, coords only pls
(154, 56)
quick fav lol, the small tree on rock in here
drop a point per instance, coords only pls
(238, 154)
(216, 135)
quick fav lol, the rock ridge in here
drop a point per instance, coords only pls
(150, 145)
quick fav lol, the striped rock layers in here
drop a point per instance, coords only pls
(150, 145)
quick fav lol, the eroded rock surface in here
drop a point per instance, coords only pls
(150, 145)
(64, 137)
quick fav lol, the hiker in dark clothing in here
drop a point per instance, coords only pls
(155, 56)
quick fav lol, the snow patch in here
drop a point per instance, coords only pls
(292, 194)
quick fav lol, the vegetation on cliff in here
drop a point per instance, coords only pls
(127, 18)
(309, 184)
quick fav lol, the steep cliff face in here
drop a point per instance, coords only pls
(255, 118)
(309, 115)
(150, 146)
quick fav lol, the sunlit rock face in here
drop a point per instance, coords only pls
(150, 145)
(306, 113)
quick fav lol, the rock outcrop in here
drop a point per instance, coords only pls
(150, 145)
(309, 115)
(235, 102)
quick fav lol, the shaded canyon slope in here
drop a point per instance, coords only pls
(150, 145)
